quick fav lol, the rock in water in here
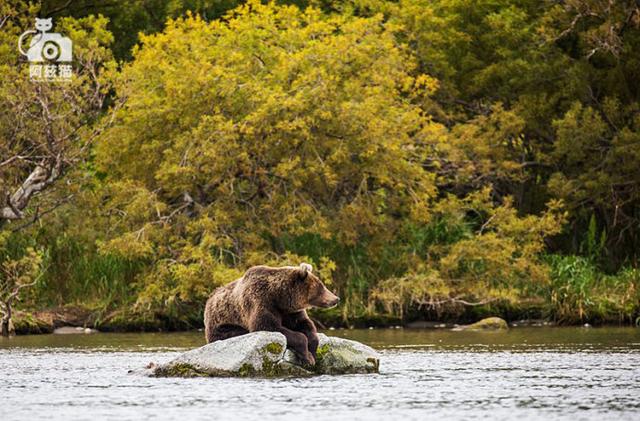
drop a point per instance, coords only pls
(490, 323)
(259, 354)
(264, 354)
(70, 330)
(341, 356)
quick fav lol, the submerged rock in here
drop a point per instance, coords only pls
(490, 323)
(264, 354)
(71, 330)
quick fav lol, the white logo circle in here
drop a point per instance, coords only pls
(50, 50)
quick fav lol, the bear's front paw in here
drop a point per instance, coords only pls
(308, 359)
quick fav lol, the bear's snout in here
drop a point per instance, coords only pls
(334, 302)
(328, 299)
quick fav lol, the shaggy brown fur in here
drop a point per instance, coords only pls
(271, 299)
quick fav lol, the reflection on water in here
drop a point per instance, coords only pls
(528, 373)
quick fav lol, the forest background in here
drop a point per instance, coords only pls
(433, 159)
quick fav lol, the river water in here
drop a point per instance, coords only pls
(525, 373)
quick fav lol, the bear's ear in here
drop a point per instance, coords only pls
(305, 270)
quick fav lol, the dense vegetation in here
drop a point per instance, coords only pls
(431, 158)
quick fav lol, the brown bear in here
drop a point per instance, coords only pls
(271, 299)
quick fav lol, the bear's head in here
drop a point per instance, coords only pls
(307, 290)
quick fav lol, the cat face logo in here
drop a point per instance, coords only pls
(44, 46)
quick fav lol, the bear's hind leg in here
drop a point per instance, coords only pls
(223, 332)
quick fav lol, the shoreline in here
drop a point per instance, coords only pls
(46, 321)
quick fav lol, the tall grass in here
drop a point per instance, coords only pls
(75, 273)
(579, 292)
(362, 266)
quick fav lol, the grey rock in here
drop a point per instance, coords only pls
(264, 354)
(340, 356)
(148, 371)
(343, 356)
(71, 330)
(258, 353)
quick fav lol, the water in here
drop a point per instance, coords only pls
(526, 373)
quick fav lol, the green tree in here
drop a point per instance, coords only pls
(277, 132)
(274, 122)
(46, 130)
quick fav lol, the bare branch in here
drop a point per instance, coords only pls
(37, 215)
(3, 20)
(455, 300)
(17, 288)
(13, 158)
(486, 224)
(39, 179)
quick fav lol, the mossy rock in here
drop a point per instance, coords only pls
(180, 370)
(274, 348)
(264, 354)
(343, 356)
(490, 323)
(259, 354)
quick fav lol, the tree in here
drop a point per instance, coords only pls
(542, 101)
(597, 150)
(46, 128)
(279, 133)
(272, 124)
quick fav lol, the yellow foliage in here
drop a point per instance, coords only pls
(498, 261)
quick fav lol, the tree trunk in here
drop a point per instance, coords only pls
(6, 320)
(5, 327)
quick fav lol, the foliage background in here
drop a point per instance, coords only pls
(438, 159)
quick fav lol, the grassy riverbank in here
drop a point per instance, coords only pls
(104, 296)
(594, 312)
(82, 287)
